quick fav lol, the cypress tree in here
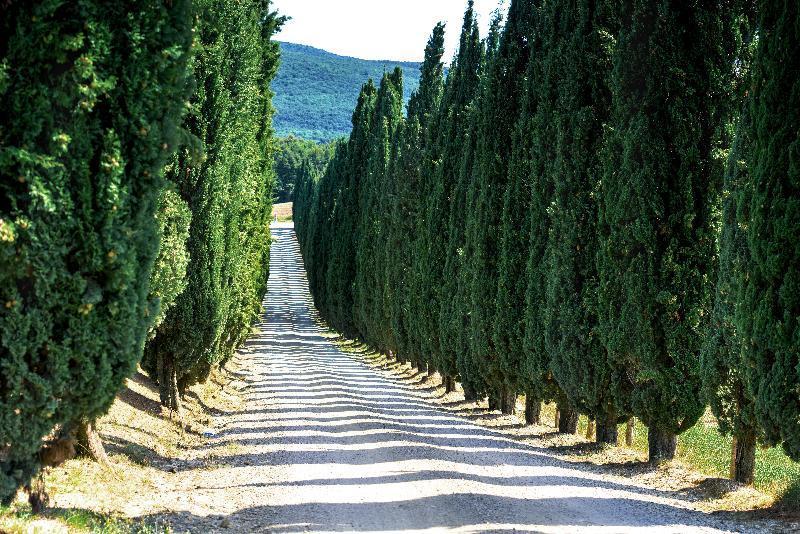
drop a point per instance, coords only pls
(423, 216)
(369, 301)
(533, 156)
(725, 384)
(581, 48)
(450, 183)
(93, 95)
(767, 318)
(228, 192)
(497, 114)
(350, 168)
(509, 326)
(658, 188)
(467, 360)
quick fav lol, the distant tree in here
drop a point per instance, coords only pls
(290, 154)
(369, 301)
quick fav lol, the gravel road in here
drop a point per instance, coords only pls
(327, 444)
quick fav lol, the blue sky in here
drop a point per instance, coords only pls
(377, 29)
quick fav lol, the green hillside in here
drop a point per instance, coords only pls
(316, 91)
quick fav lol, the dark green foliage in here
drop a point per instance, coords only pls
(228, 190)
(418, 248)
(769, 315)
(580, 48)
(658, 190)
(533, 157)
(93, 95)
(497, 113)
(315, 90)
(724, 380)
(370, 310)
(290, 154)
(455, 147)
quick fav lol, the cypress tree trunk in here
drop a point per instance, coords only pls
(629, 428)
(661, 445)
(743, 459)
(508, 401)
(469, 394)
(590, 429)
(449, 384)
(607, 431)
(168, 384)
(567, 419)
(89, 443)
(533, 410)
(494, 400)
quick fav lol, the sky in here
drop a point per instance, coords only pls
(377, 29)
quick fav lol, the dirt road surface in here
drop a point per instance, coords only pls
(327, 444)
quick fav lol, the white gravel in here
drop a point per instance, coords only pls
(327, 444)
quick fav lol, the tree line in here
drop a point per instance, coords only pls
(136, 163)
(596, 206)
(291, 153)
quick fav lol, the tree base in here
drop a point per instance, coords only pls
(743, 463)
(89, 443)
(533, 410)
(494, 401)
(629, 427)
(661, 445)
(449, 384)
(508, 401)
(567, 419)
(607, 431)
(37, 495)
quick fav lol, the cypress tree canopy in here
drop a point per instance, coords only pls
(497, 114)
(656, 251)
(769, 316)
(94, 94)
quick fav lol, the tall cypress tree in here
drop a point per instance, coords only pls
(369, 309)
(658, 187)
(496, 118)
(93, 97)
(725, 383)
(424, 218)
(509, 326)
(768, 316)
(350, 170)
(581, 48)
(467, 360)
(533, 156)
(228, 192)
(450, 183)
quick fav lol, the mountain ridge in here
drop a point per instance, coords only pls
(316, 90)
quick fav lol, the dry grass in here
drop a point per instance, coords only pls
(282, 211)
(146, 447)
(694, 476)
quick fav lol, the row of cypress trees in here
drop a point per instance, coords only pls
(596, 206)
(135, 191)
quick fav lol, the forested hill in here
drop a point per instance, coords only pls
(316, 91)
